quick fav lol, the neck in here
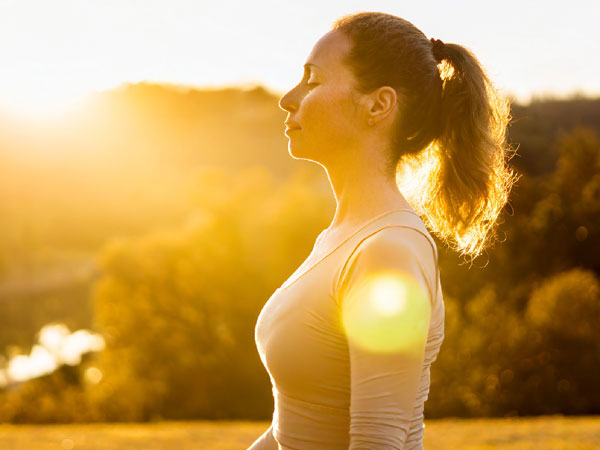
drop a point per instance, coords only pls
(363, 191)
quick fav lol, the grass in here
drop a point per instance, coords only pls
(544, 432)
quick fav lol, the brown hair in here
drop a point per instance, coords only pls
(449, 152)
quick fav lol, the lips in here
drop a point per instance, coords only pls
(291, 126)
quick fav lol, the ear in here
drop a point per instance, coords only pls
(382, 104)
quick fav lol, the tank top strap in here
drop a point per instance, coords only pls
(404, 218)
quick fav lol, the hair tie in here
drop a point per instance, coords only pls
(438, 49)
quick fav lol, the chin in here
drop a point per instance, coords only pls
(298, 155)
(296, 152)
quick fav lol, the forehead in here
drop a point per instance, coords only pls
(329, 50)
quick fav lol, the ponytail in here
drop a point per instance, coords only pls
(469, 185)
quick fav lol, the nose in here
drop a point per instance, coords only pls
(287, 102)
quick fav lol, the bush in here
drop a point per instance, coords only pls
(568, 305)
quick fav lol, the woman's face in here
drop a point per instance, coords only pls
(322, 105)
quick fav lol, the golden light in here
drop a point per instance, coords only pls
(26, 102)
(387, 312)
(78, 343)
(57, 345)
(446, 69)
(93, 375)
(68, 347)
(39, 362)
(67, 444)
(389, 296)
(52, 336)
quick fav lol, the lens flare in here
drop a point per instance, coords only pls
(387, 312)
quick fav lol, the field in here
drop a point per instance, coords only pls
(545, 432)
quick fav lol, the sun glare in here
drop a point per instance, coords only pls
(389, 296)
(40, 104)
(57, 345)
(387, 312)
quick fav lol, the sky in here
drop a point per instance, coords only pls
(53, 52)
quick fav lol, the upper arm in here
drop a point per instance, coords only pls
(390, 254)
(385, 304)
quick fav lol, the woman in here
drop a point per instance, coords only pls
(349, 338)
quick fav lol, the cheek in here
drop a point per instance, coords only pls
(330, 111)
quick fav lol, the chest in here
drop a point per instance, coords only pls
(299, 333)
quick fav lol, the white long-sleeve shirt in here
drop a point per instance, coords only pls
(349, 338)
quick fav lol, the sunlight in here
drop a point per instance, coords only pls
(52, 336)
(93, 375)
(389, 296)
(57, 346)
(39, 362)
(28, 103)
(388, 312)
(78, 343)
(68, 347)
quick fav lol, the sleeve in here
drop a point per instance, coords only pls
(266, 441)
(385, 304)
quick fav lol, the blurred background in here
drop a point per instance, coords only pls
(149, 207)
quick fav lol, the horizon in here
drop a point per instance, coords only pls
(75, 105)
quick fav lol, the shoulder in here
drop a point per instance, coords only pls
(392, 250)
(393, 245)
